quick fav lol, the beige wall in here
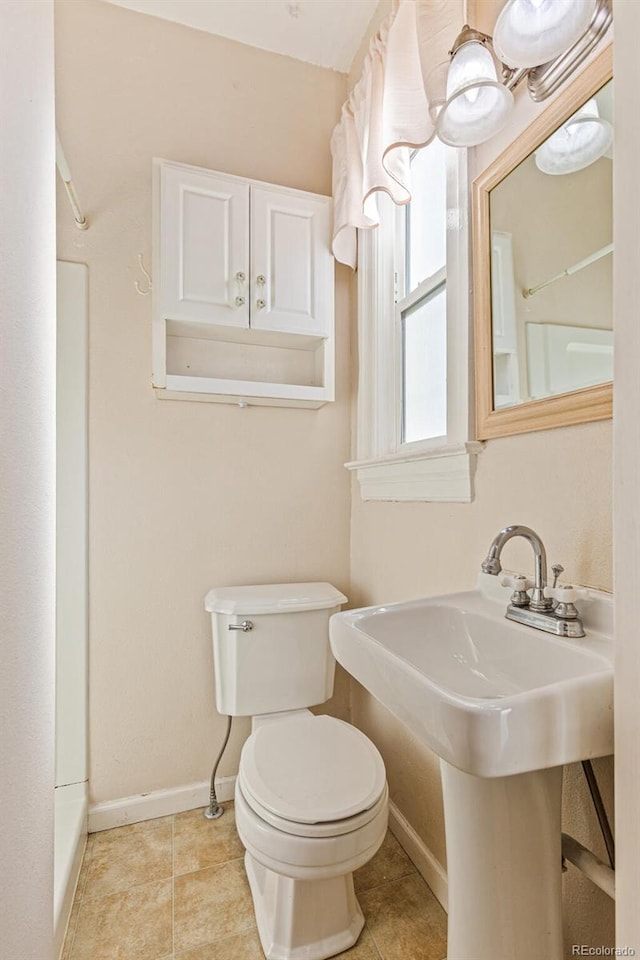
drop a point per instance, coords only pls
(558, 482)
(184, 496)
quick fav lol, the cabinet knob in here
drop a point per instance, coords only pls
(240, 279)
(260, 304)
(261, 279)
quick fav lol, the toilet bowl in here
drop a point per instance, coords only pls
(311, 807)
(311, 793)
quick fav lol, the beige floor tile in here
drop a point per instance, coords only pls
(211, 904)
(246, 946)
(200, 843)
(131, 925)
(126, 856)
(389, 863)
(406, 921)
(364, 949)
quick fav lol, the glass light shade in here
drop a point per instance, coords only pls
(478, 105)
(435, 87)
(578, 143)
(470, 63)
(531, 32)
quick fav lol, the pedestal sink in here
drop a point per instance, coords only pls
(504, 706)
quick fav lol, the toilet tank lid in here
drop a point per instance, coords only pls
(273, 598)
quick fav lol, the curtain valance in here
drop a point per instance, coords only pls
(387, 115)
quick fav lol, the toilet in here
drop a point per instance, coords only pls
(311, 795)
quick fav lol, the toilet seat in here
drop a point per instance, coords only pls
(332, 828)
(305, 857)
(312, 776)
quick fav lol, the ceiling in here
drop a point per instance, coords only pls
(323, 32)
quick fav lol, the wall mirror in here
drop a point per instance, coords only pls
(543, 267)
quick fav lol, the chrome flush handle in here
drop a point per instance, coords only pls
(245, 626)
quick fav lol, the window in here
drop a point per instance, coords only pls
(413, 331)
(424, 366)
(421, 302)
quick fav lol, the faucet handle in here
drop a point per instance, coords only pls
(557, 570)
(517, 582)
(565, 593)
(519, 585)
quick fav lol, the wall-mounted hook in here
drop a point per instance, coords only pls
(144, 293)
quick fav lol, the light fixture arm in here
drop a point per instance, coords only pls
(544, 80)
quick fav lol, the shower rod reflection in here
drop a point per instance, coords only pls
(580, 265)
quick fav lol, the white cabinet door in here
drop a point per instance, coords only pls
(204, 246)
(291, 262)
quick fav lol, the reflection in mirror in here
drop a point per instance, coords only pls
(552, 262)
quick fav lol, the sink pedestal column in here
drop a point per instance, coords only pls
(504, 865)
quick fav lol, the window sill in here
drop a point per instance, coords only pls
(442, 474)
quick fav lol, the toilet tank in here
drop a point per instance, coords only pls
(283, 661)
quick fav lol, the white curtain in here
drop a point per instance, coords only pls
(387, 115)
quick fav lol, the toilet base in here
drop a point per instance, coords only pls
(303, 919)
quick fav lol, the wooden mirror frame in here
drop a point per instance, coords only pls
(579, 406)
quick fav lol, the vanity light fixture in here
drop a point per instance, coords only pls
(531, 32)
(470, 97)
(478, 104)
(577, 143)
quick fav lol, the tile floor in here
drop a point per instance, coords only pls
(175, 889)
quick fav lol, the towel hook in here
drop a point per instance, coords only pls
(144, 293)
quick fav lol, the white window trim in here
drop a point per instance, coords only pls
(441, 469)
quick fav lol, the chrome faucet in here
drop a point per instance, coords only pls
(547, 608)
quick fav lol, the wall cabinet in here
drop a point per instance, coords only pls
(243, 290)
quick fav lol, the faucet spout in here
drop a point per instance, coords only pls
(491, 564)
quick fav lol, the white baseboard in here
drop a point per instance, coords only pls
(160, 803)
(427, 865)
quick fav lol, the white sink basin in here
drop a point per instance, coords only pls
(489, 696)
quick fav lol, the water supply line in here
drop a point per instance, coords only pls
(214, 810)
(593, 867)
(601, 813)
(600, 873)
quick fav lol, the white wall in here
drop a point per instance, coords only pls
(27, 455)
(184, 496)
